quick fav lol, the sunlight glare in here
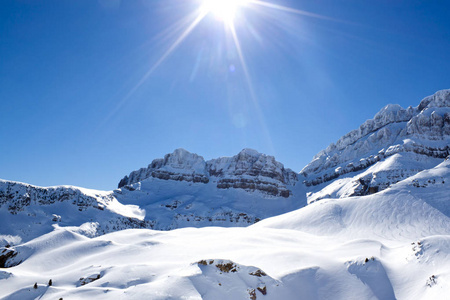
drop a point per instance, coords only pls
(224, 10)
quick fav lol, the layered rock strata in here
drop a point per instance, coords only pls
(423, 130)
(248, 170)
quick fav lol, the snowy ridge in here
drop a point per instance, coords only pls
(418, 205)
(394, 113)
(28, 211)
(17, 196)
(423, 131)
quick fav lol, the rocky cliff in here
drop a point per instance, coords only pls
(416, 138)
(180, 165)
(249, 170)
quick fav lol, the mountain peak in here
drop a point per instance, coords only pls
(439, 99)
(248, 170)
(182, 159)
(418, 134)
(181, 152)
(249, 151)
(389, 109)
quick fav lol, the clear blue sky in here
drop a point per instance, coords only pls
(79, 106)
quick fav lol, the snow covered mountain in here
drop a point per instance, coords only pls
(249, 170)
(28, 211)
(396, 144)
(184, 190)
(381, 229)
(181, 190)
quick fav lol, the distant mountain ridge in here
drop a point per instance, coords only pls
(248, 170)
(180, 190)
(365, 212)
(184, 190)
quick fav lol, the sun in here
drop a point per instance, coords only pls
(224, 10)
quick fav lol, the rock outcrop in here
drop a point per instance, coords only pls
(17, 196)
(180, 165)
(248, 170)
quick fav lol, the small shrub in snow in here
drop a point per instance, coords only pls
(84, 281)
(369, 259)
(258, 273)
(227, 267)
(206, 262)
(263, 290)
(202, 262)
(431, 281)
(252, 294)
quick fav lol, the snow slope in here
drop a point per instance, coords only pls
(173, 204)
(391, 245)
(28, 211)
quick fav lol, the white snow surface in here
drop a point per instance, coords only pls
(391, 245)
(381, 175)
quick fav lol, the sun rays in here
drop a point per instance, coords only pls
(225, 11)
(233, 14)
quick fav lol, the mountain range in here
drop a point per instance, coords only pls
(367, 218)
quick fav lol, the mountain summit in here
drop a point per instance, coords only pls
(395, 144)
(248, 170)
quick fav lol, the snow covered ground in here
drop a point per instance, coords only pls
(391, 245)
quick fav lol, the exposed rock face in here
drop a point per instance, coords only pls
(181, 165)
(6, 257)
(423, 131)
(18, 196)
(269, 188)
(249, 170)
(251, 163)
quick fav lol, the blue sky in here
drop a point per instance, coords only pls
(80, 107)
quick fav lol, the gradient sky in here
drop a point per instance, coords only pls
(79, 105)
